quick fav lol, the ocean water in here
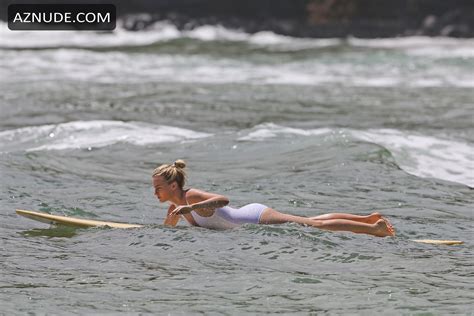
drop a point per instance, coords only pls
(305, 126)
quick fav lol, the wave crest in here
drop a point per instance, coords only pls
(88, 134)
(417, 154)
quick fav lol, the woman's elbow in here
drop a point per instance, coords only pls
(225, 200)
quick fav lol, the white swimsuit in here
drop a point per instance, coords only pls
(227, 217)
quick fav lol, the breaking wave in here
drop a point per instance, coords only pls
(417, 154)
(91, 134)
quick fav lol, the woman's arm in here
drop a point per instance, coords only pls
(171, 219)
(204, 204)
(207, 207)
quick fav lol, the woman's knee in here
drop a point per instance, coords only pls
(317, 222)
(271, 216)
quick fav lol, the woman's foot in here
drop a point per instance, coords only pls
(373, 218)
(382, 229)
(389, 225)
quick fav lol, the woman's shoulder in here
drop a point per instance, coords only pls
(193, 193)
(199, 195)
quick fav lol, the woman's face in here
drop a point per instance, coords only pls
(163, 190)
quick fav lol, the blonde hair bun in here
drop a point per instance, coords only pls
(171, 173)
(180, 164)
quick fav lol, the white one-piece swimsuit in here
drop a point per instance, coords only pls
(227, 217)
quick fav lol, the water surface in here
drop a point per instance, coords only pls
(305, 126)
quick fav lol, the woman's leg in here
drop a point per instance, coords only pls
(379, 228)
(371, 219)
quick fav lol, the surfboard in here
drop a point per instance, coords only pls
(71, 221)
(439, 242)
(86, 223)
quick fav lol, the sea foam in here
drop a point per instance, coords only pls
(92, 134)
(417, 154)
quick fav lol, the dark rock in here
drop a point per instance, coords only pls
(457, 30)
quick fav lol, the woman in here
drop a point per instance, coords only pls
(210, 210)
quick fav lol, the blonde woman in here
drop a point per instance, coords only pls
(210, 210)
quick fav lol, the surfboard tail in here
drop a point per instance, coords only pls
(439, 242)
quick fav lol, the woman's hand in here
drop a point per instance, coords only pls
(180, 210)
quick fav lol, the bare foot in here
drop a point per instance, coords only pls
(389, 225)
(382, 229)
(373, 218)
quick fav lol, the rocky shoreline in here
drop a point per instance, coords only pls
(303, 18)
